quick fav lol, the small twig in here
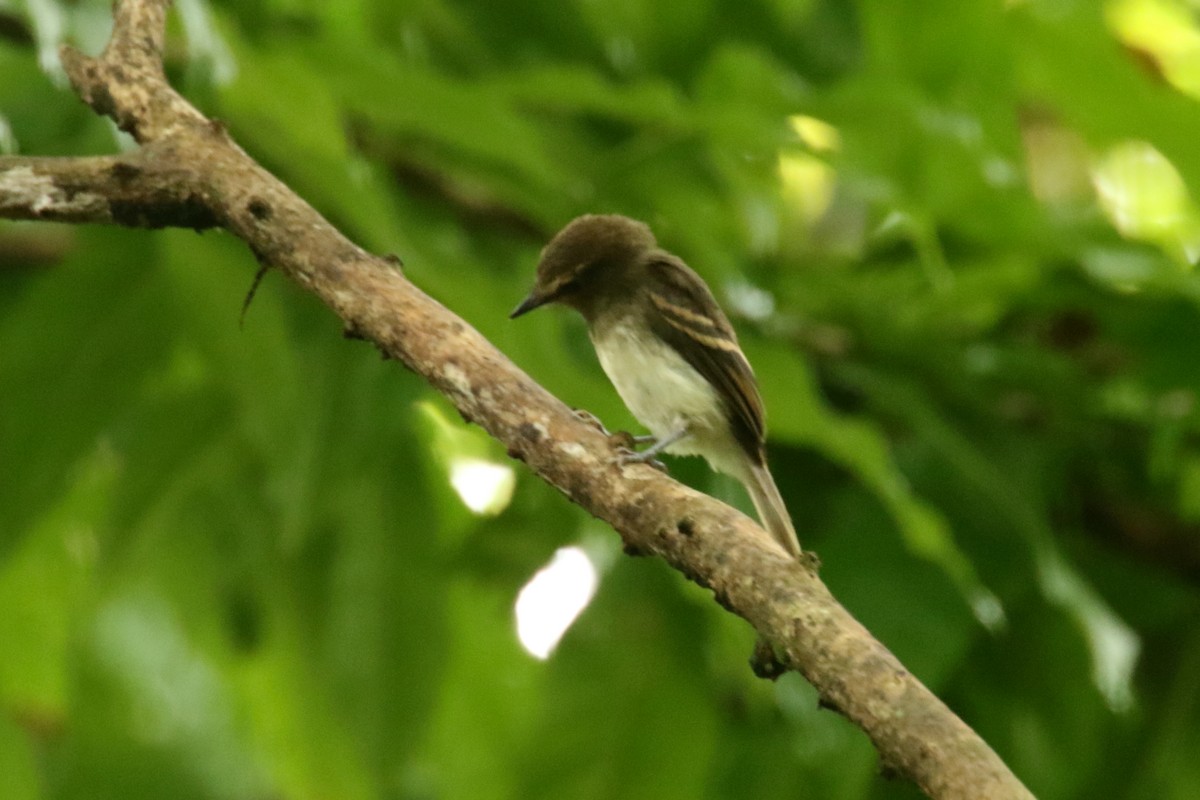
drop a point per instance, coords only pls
(258, 276)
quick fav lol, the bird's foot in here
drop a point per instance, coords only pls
(583, 415)
(627, 455)
(658, 444)
(623, 441)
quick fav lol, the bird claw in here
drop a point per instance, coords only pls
(583, 415)
(626, 456)
(623, 441)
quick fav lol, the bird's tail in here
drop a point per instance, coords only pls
(772, 513)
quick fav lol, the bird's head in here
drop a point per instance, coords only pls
(585, 260)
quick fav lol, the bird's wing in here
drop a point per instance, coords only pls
(683, 312)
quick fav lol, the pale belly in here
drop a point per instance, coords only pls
(667, 394)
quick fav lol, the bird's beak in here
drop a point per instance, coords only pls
(535, 299)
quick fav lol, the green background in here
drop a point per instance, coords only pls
(232, 564)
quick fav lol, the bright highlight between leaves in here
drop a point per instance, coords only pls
(553, 599)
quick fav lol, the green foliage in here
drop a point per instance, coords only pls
(232, 564)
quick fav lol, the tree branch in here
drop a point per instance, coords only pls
(189, 173)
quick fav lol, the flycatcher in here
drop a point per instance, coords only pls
(667, 348)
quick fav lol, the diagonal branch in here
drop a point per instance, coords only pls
(189, 173)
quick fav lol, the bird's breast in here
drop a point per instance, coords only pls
(662, 390)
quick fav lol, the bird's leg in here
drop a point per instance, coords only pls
(626, 441)
(659, 444)
(647, 456)
(622, 439)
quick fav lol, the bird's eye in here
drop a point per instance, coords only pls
(567, 286)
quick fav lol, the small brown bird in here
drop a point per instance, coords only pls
(667, 348)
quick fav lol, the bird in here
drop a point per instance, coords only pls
(668, 349)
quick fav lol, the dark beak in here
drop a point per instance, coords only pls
(534, 300)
